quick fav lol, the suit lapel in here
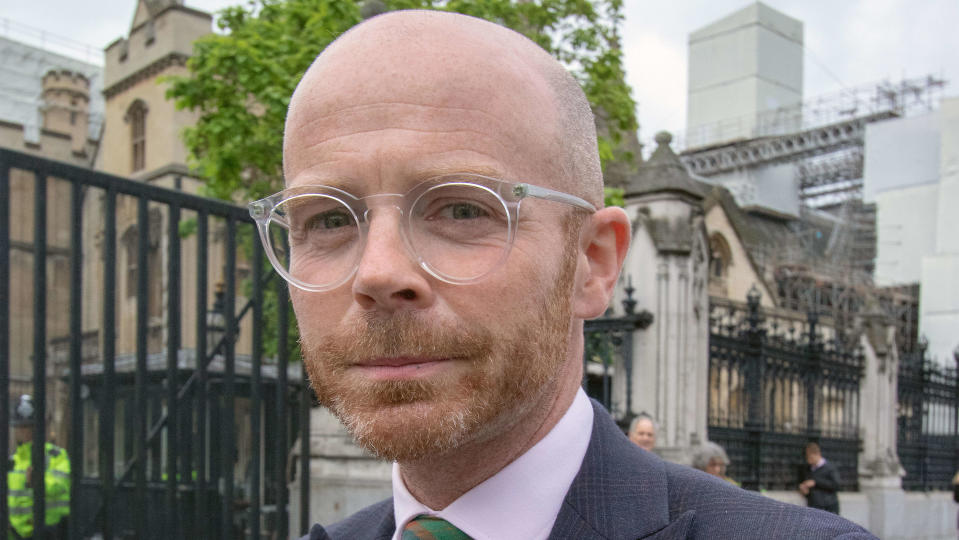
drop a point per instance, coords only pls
(373, 523)
(679, 528)
(386, 526)
(619, 492)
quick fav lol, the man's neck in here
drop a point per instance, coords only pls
(437, 482)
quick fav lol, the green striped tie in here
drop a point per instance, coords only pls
(432, 528)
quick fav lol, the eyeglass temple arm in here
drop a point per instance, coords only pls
(529, 190)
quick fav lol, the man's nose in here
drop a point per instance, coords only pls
(388, 278)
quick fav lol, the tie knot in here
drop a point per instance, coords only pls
(432, 528)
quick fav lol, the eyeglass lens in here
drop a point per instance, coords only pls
(460, 231)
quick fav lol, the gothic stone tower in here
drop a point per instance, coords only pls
(66, 102)
(142, 135)
(142, 141)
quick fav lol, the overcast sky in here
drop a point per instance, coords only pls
(848, 42)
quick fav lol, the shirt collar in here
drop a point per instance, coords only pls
(820, 463)
(522, 500)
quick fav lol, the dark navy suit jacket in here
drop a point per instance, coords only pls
(823, 494)
(623, 492)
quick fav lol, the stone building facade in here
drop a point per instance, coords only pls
(141, 141)
(50, 106)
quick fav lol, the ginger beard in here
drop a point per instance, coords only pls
(407, 420)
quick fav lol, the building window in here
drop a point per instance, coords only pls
(129, 243)
(719, 257)
(137, 118)
(151, 33)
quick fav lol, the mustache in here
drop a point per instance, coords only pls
(400, 334)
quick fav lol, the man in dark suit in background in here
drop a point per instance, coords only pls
(821, 481)
(442, 321)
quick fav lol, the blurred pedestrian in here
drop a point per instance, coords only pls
(56, 479)
(822, 481)
(711, 458)
(642, 431)
(955, 494)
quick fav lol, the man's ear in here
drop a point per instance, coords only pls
(605, 241)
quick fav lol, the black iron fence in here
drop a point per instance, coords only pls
(775, 384)
(928, 414)
(176, 421)
(608, 355)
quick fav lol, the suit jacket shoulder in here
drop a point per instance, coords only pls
(622, 491)
(374, 522)
(826, 476)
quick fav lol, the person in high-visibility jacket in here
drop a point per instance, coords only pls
(56, 479)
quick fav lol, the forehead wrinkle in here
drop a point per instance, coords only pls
(316, 154)
(480, 170)
(410, 175)
(356, 108)
(317, 132)
(390, 129)
(312, 148)
(326, 122)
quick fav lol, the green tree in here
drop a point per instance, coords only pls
(241, 78)
(240, 83)
(614, 196)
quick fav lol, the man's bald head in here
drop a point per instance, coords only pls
(642, 431)
(442, 54)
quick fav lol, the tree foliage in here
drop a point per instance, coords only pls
(614, 196)
(240, 83)
(241, 78)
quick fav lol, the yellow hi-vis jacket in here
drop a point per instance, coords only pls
(20, 495)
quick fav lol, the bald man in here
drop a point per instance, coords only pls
(642, 431)
(443, 233)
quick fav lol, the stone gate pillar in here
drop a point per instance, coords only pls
(668, 264)
(880, 473)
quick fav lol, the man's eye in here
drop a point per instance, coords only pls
(334, 219)
(464, 210)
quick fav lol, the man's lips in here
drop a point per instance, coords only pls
(398, 361)
(401, 367)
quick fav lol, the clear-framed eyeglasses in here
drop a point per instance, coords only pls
(457, 227)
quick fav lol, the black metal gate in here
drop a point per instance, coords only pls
(177, 422)
(608, 346)
(776, 383)
(928, 434)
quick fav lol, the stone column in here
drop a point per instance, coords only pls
(880, 473)
(668, 262)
